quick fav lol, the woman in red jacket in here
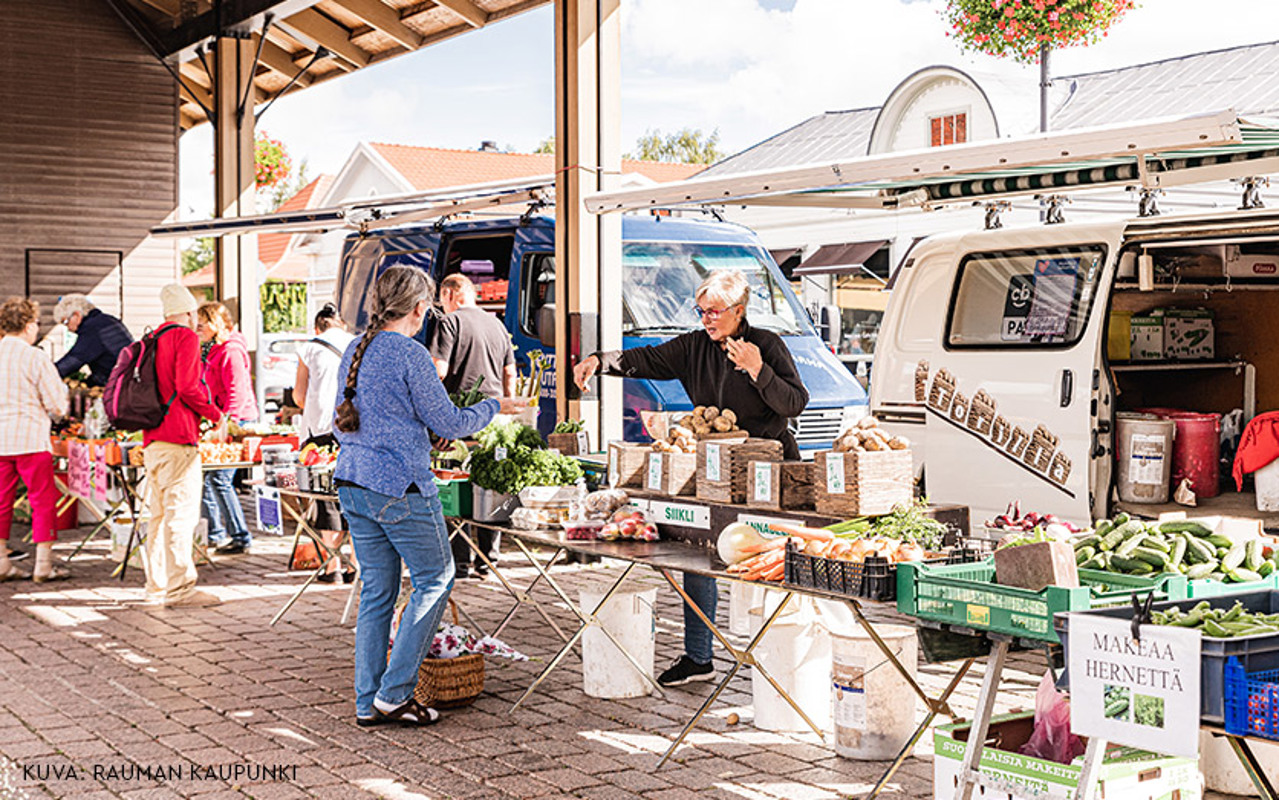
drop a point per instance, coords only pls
(227, 374)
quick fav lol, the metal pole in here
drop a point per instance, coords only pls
(1044, 82)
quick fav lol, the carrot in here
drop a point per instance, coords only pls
(775, 573)
(809, 534)
(756, 562)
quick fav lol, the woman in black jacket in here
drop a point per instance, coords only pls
(727, 364)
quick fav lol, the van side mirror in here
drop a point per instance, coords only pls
(546, 325)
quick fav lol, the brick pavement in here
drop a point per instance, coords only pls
(97, 686)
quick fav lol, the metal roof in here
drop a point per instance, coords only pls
(832, 136)
(306, 42)
(1243, 78)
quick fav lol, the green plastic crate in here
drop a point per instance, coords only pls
(455, 496)
(966, 595)
(1202, 587)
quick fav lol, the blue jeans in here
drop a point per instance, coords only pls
(222, 509)
(385, 530)
(697, 637)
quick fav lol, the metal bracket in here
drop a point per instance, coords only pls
(993, 209)
(1252, 192)
(1148, 202)
(1053, 213)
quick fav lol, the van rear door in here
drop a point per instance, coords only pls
(1007, 396)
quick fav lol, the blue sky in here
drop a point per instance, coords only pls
(747, 68)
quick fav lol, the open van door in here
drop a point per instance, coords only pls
(1010, 395)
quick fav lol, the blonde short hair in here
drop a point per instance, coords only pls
(727, 286)
(69, 304)
(17, 313)
(218, 317)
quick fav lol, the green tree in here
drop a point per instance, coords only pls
(547, 145)
(275, 196)
(197, 254)
(688, 146)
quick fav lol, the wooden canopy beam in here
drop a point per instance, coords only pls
(475, 16)
(282, 61)
(384, 18)
(320, 29)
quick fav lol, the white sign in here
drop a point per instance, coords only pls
(1138, 693)
(499, 453)
(612, 466)
(763, 481)
(713, 467)
(763, 524)
(583, 443)
(655, 471)
(268, 508)
(684, 515)
(834, 473)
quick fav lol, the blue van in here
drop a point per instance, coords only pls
(663, 261)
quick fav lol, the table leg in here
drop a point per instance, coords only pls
(302, 527)
(521, 596)
(1094, 754)
(310, 580)
(970, 771)
(933, 710)
(943, 708)
(585, 621)
(1265, 790)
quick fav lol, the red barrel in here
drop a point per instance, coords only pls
(1196, 452)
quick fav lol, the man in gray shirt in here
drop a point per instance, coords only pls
(470, 344)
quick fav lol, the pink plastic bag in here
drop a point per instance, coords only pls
(1052, 739)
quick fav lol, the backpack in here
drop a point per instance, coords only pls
(132, 396)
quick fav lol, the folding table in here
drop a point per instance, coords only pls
(302, 528)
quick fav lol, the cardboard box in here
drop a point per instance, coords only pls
(1147, 342)
(1188, 334)
(1126, 773)
(1119, 336)
(1251, 266)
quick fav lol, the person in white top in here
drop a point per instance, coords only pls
(315, 390)
(31, 396)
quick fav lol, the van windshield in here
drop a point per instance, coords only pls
(661, 278)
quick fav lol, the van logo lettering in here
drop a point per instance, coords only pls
(1036, 453)
(1264, 268)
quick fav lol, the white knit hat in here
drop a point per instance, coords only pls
(175, 299)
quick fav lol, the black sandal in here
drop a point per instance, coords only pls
(411, 713)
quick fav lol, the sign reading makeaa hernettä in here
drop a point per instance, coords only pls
(1143, 693)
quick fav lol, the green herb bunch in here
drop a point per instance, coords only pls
(526, 462)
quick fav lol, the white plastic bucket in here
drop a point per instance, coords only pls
(742, 597)
(874, 706)
(1144, 450)
(796, 651)
(628, 616)
(1221, 768)
(1267, 479)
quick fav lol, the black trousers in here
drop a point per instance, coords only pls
(489, 540)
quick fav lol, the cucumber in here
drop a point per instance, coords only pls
(1266, 568)
(1121, 518)
(1243, 575)
(1152, 557)
(1133, 566)
(1102, 527)
(1185, 526)
(1118, 534)
(1200, 570)
(1217, 540)
(1157, 541)
(1084, 553)
(1234, 556)
(1198, 552)
(1179, 546)
(1130, 544)
(1091, 540)
(1252, 555)
(1095, 562)
(1116, 707)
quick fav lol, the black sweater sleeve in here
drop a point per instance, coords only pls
(779, 383)
(661, 362)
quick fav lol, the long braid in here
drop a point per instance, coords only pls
(398, 290)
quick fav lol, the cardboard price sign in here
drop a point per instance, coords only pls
(268, 507)
(1143, 693)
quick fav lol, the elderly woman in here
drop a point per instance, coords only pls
(228, 374)
(392, 399)
(31, 395)
(727, 364)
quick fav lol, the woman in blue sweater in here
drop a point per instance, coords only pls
(391, 399)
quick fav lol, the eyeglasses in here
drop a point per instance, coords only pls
(712, 314)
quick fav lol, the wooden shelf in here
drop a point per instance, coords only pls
(1165, 366)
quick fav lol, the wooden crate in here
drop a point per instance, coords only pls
(723, 467)
(779, 485)
(868, 483)
(671, 473)
(627, 463)
(570, 444)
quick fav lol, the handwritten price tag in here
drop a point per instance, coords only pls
(713, 467)
(835, 473)
(763, 481)
(499, 454)
(655, 471)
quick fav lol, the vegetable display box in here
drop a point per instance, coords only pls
(1251, 701)
(627, 464)
(1126, 773)
(779, 484)
(1255, 653)
(875, 578)
(723, 467)
(966, 596)
(860, 483)
(455, 496)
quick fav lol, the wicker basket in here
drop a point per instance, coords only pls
(450, 682)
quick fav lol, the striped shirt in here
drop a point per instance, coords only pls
(31, 394)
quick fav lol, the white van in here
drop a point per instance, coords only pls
(993, 356)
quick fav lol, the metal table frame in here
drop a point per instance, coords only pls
(634, 553)
(301, 528)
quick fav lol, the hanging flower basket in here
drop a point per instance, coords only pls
(271, 161)
(1018, 29)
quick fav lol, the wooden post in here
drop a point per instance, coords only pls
(236, 273)
(588, 287)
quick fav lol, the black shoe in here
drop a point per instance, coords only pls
(481, 570)
(686, 670)
(18, 555)
(232, 549)
(461, 572)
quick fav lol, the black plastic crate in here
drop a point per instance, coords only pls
(872, 579)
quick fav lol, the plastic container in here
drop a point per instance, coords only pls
(491, 506)
(797, 653)
(1267, 480)
(455, 496)
(874, 578)
(966, 596)
(1255, 653)
(1144, 449)
(1196, 454)
(874, 706)
(628, 616)
(1251, 701)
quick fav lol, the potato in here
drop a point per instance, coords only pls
(729, 415)
(899, 443)
(867, 422)
(873, 445)
(710, 413)
(681, 430)
(698, 411)
(722, 425)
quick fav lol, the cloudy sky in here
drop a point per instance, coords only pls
(747, 68)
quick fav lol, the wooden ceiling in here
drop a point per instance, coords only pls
(353, 34)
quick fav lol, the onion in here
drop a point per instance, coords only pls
(734, 538)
